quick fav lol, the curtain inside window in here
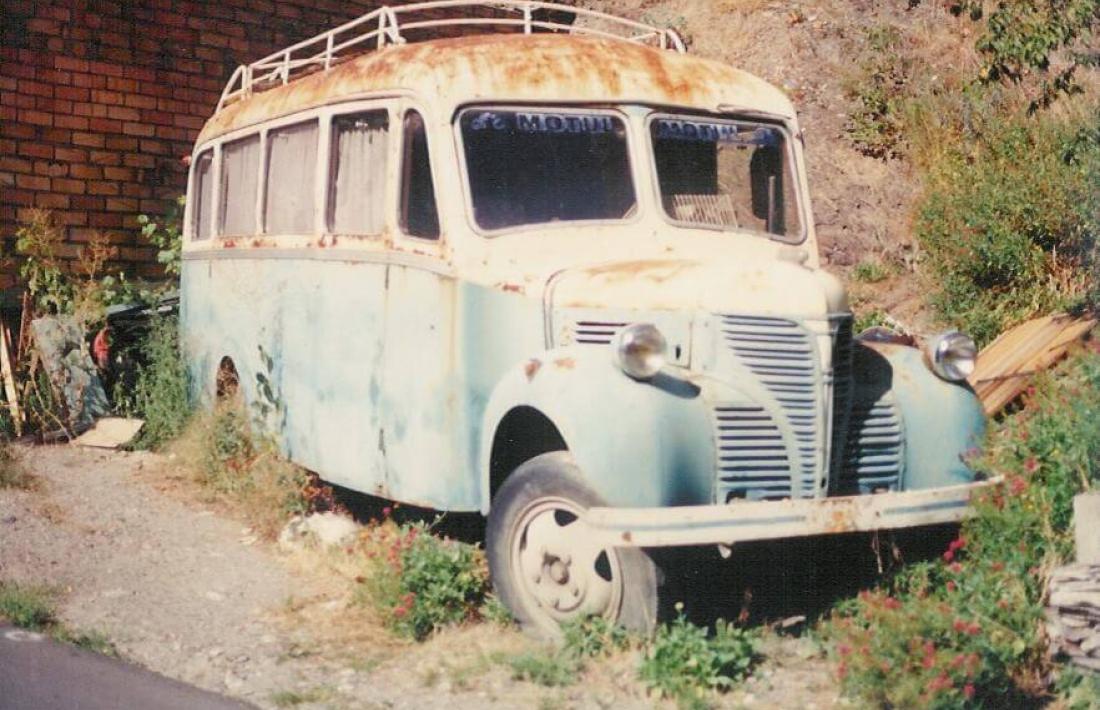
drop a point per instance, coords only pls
(291, 172)
(359, 173)
(240, 180)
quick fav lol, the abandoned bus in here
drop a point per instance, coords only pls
(563, 274)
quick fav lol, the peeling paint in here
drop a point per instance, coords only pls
(532, 368)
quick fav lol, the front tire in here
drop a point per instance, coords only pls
(543, 565)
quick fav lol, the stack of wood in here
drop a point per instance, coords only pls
(1073, 614)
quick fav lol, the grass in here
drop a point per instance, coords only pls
(547, 668)
(294, 698)
(870, 271)
(13, 472)
(33, 608)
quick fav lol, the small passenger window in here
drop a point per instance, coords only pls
(240, 180)
(357, 190)
(291, 171)
(204, 188)
(419, 217)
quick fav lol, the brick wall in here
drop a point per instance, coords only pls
(99, 99)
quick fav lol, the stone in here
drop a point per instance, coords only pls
(325, 529)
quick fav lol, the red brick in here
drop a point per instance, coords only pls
(123, 113)
(71, 93)
(137, 160)
(122, 204)
(91, 140)
(70, 64)
(119, 174)
(33, 182)
(90, 203)
(76, 187)
(101, 219)
(51, 200)
(71, 219)
(122, 143)
(19, 197)
(87, 172)
(51, 168)
(43, 26)
(36, 118)
(71, 155)
(139, 101)
(106, 69)
(139, 129)
(8, 83)
(106, 97)
(36, 150)
(35, 88)
(105, 125)
(103, 157)
(57, 135)
(52, 76)
(78, 123)
(102, 187)
(89, 81)
(17, 165)
(12, 129)
(115, 83)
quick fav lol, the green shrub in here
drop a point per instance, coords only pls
(878, 91)
(593, 637)
(420, 583)
(27, 607)
(548, 667)
(1008, 226)
(160, 394)
(683, 663)
(966, 631)
(870, 271)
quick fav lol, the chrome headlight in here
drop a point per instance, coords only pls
(640, 350)
(951, 355)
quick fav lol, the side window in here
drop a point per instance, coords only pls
(419, 217)
(240, 180)
(357, 186)
(291, 177)
(204, 193)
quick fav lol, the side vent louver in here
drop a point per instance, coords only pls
(752, 458)
(595, 332)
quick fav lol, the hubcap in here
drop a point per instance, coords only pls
(560, 569)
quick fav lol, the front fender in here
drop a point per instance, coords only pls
(639, 444)
(943, 421)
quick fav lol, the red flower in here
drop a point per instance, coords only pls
(959, 626)
(399, 611)
(928, 662)
(955, 567)
(891, 603)
(948, 555)
(968, 690)
(844, 649)
(387, 512)
(974, 628)
(951, 586)
(1031, 465)
(998, 566)
(842, 671)
(1017, 485)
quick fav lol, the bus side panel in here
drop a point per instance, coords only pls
(321, 325)
(420, 393)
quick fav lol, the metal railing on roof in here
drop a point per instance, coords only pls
(388, 25)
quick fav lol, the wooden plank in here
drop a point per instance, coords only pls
(1005, 367)
(8, 380)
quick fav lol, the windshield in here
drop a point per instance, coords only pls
(534, 167)
(726, 175)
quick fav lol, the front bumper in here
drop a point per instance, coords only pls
(771, 520)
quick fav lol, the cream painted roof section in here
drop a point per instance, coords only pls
(513, 67)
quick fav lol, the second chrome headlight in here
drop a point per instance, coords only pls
(641, 350)
(952, 355)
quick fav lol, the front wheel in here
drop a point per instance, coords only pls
(543, 564)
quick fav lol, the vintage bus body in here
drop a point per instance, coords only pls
(355, 238)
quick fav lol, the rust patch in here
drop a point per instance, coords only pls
(532, 368)
(510, 288)
(840, 521)
(566, 363)
(228, 244)
(627, 537)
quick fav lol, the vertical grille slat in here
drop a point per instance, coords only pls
(752, 456)
(874, 455)
(781, 353)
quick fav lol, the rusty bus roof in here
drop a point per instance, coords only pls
(515, 67)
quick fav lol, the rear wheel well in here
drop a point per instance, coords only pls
(227, 381)
(522, 434)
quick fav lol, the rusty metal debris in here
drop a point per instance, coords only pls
(1005, 367)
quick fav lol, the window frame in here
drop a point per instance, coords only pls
(192, 227)
(401, 174)
(631, 171)
(265, 157)
(257, 203)
(796, 178)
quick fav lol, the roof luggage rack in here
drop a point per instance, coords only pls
(388, 25)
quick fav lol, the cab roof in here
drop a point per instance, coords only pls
(543, 68)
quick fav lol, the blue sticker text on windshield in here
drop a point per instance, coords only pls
(703, 132)
(543, 122)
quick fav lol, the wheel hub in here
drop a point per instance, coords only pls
(561, 571)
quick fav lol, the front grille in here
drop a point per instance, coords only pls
(842, 392)
(781, 353)
(589, 332)
(752, 457)
(874, 454)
